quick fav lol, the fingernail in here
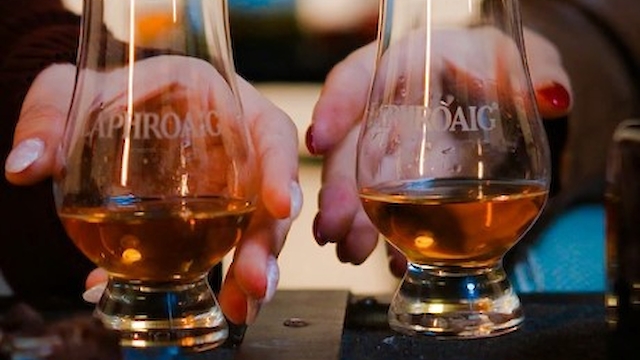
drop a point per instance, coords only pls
(296, 199)
(273, 276)
(316, 232)
(556, 95)
(254, 305)
(94, 294)
(23, 155)
(311, 146)
(236, 335)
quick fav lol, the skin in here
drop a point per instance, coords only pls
(253, 275)
(333, 135)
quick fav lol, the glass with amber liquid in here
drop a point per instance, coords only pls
(156, 179)
(452, 161)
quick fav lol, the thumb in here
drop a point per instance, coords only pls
(40, 126)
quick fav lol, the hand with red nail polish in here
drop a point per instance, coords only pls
(335, 127)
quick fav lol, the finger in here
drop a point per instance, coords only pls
(40, 127)
(338, 200)
(253, 275)
(551, 82)
(96, 277)
(237, 304)
(95, 284)
(359, 242)
(233, 300)
(276, 140)
(342, 100)
(338, 204)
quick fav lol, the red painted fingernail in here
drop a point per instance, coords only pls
(398, 266)
(556, 95)
(316, 232)
(309, 140)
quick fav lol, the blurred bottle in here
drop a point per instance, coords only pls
(623, 228)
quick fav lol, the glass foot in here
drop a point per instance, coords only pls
(163, 314)
(455, 303)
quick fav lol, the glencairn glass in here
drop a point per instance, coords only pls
(156, 181)
(452, 160)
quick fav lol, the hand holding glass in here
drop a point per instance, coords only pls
(452, 160)
(156, 182)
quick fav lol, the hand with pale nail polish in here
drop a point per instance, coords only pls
(335, 126)
(33, 159)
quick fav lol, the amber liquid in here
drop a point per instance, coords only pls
(454, 222)
(158, 240)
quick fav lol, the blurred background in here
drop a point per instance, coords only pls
(298, 40)
(290, 40)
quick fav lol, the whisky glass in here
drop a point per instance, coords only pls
(156, 181)
(452, 161)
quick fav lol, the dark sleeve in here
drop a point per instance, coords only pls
(36, 257)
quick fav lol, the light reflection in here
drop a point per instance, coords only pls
(427, 63)
(480, 174)
(471, 290)
(471, 287)
(424, 241)
(174, 4)
(423, 149)
(488, 220)
(124, 171)
(435, 309)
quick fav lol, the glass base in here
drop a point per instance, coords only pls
(163, 314)
(455, 302)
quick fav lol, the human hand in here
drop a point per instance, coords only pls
(253, 275)
(335, 127)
